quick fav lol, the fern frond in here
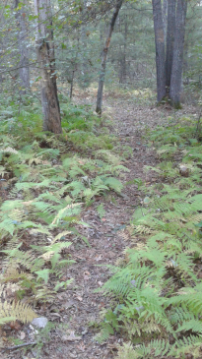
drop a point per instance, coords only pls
(16, 311)
(68, 210)
(127, 352)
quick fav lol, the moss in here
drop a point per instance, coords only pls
(177, 105)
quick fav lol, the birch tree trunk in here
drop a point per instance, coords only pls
(104, 58)
(177, 64)
(170, 42)
(160, 52)
(46, 59)
(23, 50)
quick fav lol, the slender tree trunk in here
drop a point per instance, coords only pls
(72, 85)
(170, 41)
(160, 53)
(84, 44)
(104, 58)
(165, 14)
(46, 59)
(177, 64)
(23, 50)
(123, 62)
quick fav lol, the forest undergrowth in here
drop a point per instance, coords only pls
(47, 182)
(156, 288)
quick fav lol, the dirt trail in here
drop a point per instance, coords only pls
(79, 305)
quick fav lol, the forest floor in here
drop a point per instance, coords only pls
(75, 308)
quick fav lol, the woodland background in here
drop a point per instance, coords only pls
(100, 179)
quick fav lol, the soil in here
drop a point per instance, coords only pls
(80, 305)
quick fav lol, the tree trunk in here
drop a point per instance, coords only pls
(72, 84)
(123, 76)
(84, 45)
(104, 58)
(46, 59)
(160, 53)
(23, 50)
(165, 16)
(170, 42)
(177, 65)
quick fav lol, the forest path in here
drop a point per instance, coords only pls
(80, 305)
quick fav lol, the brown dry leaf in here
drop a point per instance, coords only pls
(81, 347)
(15, 325)
(98, 258)
(86, 275)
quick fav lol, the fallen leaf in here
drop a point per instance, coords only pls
(79, 298)
(15, 325)
(21, 335)
(98, 258)
(81, 347)
(86, 275)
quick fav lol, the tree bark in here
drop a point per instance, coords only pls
(123, 75)
(84, 44)
(160, 53)
(170, 42)
(104, 58)
(46, 59)
(24, 77)
(177, 65)
(165, 16)
(72, 84)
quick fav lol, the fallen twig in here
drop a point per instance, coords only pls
(17, 346)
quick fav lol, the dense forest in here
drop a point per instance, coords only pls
(100, 179)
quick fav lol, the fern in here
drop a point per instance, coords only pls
(158, 292)
(15, 311)
(49, 188)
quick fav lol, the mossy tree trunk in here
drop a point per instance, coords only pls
(46, 60)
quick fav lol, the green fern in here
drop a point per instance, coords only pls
(158, 291)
